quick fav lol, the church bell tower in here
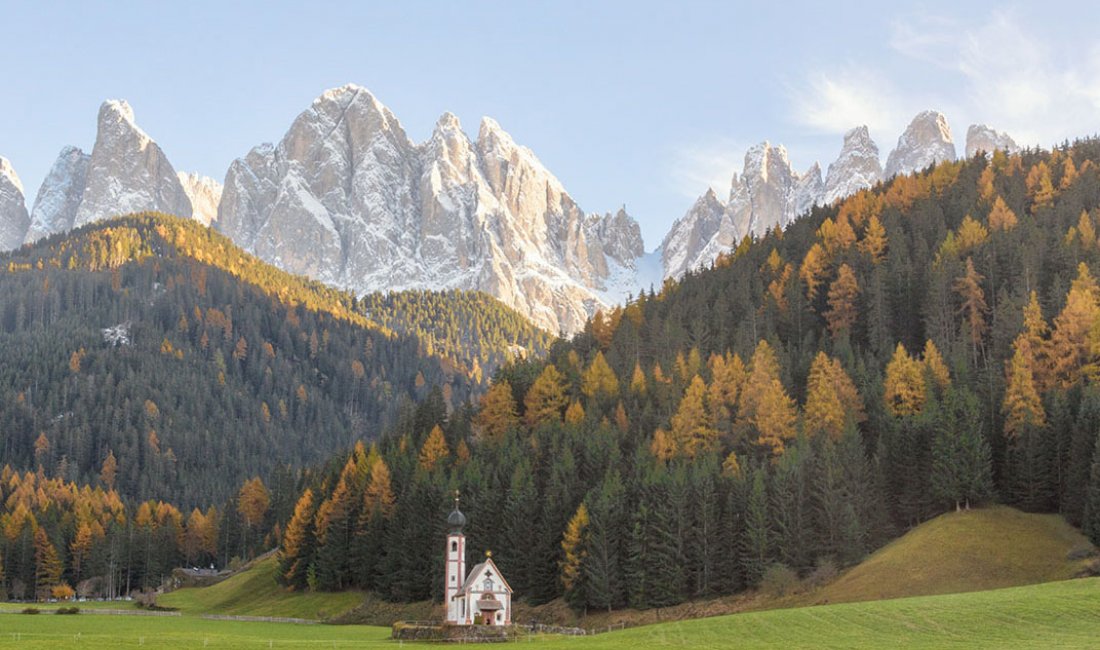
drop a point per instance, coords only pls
(456, 564)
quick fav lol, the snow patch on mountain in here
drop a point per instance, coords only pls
(205, 194)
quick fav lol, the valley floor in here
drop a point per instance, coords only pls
(1063, 614)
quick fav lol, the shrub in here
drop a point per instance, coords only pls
(823, 573)
(31, 610)
(779, 580)
(67, 610)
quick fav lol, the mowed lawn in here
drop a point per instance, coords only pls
(1054, 615)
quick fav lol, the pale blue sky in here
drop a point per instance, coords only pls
(641, 103)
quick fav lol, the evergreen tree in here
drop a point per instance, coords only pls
(756, 550)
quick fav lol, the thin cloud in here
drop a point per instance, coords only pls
(1040, 92)
(835, 101)
(710, 165)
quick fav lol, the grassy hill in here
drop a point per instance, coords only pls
(972, 550)
(253, 592)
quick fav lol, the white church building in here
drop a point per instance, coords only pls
(483, 595)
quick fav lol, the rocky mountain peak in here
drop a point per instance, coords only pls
(980, 137)
(127, 171)
(13, 207)
(348, 199)
(117, 109)
(857, 167)
(7, 172)
(926, 141)
(60, 195)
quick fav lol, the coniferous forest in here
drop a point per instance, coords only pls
(926, 345)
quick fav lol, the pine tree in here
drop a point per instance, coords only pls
(756, 549)
(335, 523)
(1091, 526)
(601, 565)
(789, 506)
(962, 472)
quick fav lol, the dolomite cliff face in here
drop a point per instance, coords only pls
(347, 198)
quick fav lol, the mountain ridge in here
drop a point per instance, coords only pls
(346, 197)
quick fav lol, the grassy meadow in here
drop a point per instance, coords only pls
(1054, 615)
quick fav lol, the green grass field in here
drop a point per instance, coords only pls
(255, 593)
(1054, 615)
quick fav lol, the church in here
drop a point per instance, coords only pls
(480, 597)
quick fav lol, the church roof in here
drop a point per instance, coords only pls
(476, 571)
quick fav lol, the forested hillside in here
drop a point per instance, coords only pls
(473, 329)
(155, 342)
(930, 344)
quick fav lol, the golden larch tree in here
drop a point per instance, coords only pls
(435, 450)
(727, 376)
(843, 293)
(546, 398)
(693, 429)
(574, 414)
(599, 380)
(1070, 348)
(1022, 406)
(904, 384)
(378, 495)
(832, 400)
(765, 406)
(874, 240)
(934, 364)
(498, 412)
(573, 548)
(973, 308)
(812, 270)
(1001, 217)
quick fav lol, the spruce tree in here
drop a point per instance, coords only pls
(756, 546)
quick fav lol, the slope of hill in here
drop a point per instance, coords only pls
(472, 329)
(974, 550)
(157, 341)
(253, 592)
